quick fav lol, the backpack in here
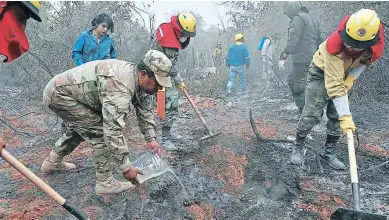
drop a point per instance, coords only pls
(262, 43)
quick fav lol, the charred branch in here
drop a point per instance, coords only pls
(262, 139)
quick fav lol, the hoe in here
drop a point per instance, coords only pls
(356, 213)
(210, 133)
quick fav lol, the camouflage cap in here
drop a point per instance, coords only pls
(160, 64)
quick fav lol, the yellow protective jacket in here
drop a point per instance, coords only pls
(336, 68)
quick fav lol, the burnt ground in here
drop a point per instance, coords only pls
(231, 176)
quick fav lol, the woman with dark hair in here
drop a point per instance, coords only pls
(95, 43)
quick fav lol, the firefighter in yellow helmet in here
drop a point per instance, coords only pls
(170, 38)
(13, 40)
(237, 58)
(357, 43)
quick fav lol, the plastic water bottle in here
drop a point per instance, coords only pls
(152, 166)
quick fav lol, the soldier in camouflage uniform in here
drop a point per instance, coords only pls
(95, 100)
(304, 39)
(339, 61)
(169, 39)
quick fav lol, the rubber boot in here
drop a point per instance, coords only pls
(297, 157)
(54, 162)
(329, 155)
(166, 142)
(106, 184)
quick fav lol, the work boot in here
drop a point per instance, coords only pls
(166, 142)
(106, 184)
(297, 157)
(54, 163)
(329, 155)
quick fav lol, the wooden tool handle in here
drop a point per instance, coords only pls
(32, 177)
(196, 110)
(42, 185)
(351, 156)
(353, 170)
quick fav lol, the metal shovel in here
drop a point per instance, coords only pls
(210, 133)
(356, 213)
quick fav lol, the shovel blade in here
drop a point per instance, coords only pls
(351, 214)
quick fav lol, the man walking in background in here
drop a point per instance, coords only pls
(268, 50)
(304, 39)
(218, 57)
(237, 58)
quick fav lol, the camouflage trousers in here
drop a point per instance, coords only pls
(297, 83)
(81, 124)
(316, 99)
(171, 101)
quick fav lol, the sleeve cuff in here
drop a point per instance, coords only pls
(177, 79)
(127, 165)
(341, 105)
(150, 134)
(356, 72)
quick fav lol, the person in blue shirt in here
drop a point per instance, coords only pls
(95, 43)
(237, 58)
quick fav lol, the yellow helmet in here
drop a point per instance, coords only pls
(188, 24)
(361, 29)
(33, 8)
(238, 37)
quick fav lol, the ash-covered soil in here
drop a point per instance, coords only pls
(230, 176)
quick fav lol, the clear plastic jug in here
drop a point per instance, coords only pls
(152, 166)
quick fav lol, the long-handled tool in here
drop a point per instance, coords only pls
(356, 213)
(42, 185)
(210, 133)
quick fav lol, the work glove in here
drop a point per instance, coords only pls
(155, 146)
(349, 82)
(281, 64)
(180, 86)
(132, 175)
(284, 56)
(2, 145)
(346, 123)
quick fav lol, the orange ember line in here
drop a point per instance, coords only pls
(375, 149)
(224, 165)
(202, 212)
(322, 212)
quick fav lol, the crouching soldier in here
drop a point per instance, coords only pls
(95, 99)
(358, 42)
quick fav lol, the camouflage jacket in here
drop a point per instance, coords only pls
(172, 54)
(110, 87)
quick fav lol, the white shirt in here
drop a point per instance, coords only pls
(268, 48)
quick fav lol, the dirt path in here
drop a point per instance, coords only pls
(232, 176)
